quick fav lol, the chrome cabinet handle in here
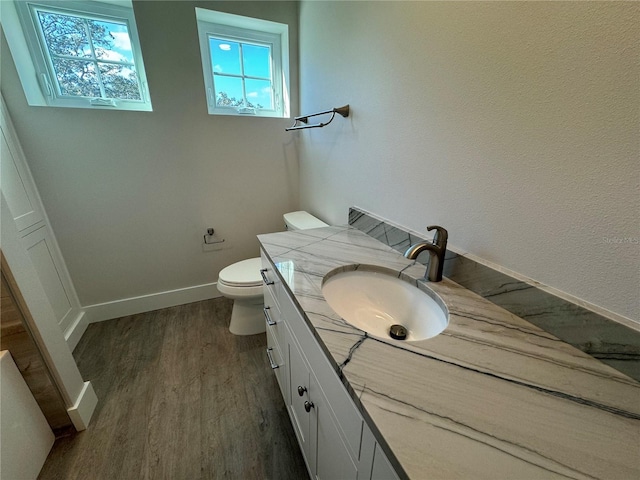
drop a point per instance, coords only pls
(301, 390)
(270, 322)
(308, 406)
(264, 277)
(274, 365)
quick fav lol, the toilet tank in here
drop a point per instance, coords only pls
(302, 221)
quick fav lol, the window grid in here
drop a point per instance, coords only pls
(78, 53)
(242, 76)
(93, 59)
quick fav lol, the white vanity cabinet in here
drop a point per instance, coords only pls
(335, 440)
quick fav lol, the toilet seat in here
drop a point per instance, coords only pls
(242, 274)
(242, 283)
(236, 293)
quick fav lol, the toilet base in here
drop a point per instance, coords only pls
(247, 317)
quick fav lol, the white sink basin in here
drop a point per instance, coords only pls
(373, 301)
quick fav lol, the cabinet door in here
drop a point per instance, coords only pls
(17, 185)
(299, 399)
(349, 420)
(382, 469)
(333, 460)
(40, 248)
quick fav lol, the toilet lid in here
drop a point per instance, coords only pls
(242, 274)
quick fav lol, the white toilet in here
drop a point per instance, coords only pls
(242, 282)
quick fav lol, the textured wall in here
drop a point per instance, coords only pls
(130, 194)
(513, 124)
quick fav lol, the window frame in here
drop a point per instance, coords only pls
(49, 93)
(239, 29)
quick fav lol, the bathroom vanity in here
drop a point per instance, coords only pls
(334, 439)
(492, 396)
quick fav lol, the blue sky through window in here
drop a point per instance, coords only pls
(235, 65)
(120, 50)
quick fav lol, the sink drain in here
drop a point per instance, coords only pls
(398, 332)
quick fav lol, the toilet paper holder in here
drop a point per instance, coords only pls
(209, 234)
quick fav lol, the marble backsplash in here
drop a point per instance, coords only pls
(611, 342)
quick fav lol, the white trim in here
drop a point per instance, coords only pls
(76, 329)
(147, 303)
(20, 50)
(83, 408)
(240, 21)
(246, 30)
(54, 348)
(11, 136)
(32, 56)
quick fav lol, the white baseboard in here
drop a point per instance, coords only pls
(147, 303)
(82, 410)
(74, 332)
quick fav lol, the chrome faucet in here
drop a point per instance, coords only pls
(436, 249)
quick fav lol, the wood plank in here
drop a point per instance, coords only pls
(180, 397)
(15, 337)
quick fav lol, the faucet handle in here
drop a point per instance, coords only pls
(441, 235)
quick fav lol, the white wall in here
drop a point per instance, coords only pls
(512, 124)
(130, 194)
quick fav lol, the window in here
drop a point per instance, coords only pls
(85, 54)
(245, 62)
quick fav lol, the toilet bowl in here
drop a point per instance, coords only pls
(242, 282)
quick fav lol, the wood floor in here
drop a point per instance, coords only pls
(179, 398)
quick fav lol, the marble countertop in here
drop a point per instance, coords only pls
(492, 396)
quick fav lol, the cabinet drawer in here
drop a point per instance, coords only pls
(276, 359)
(273, 318)
(270, 278)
